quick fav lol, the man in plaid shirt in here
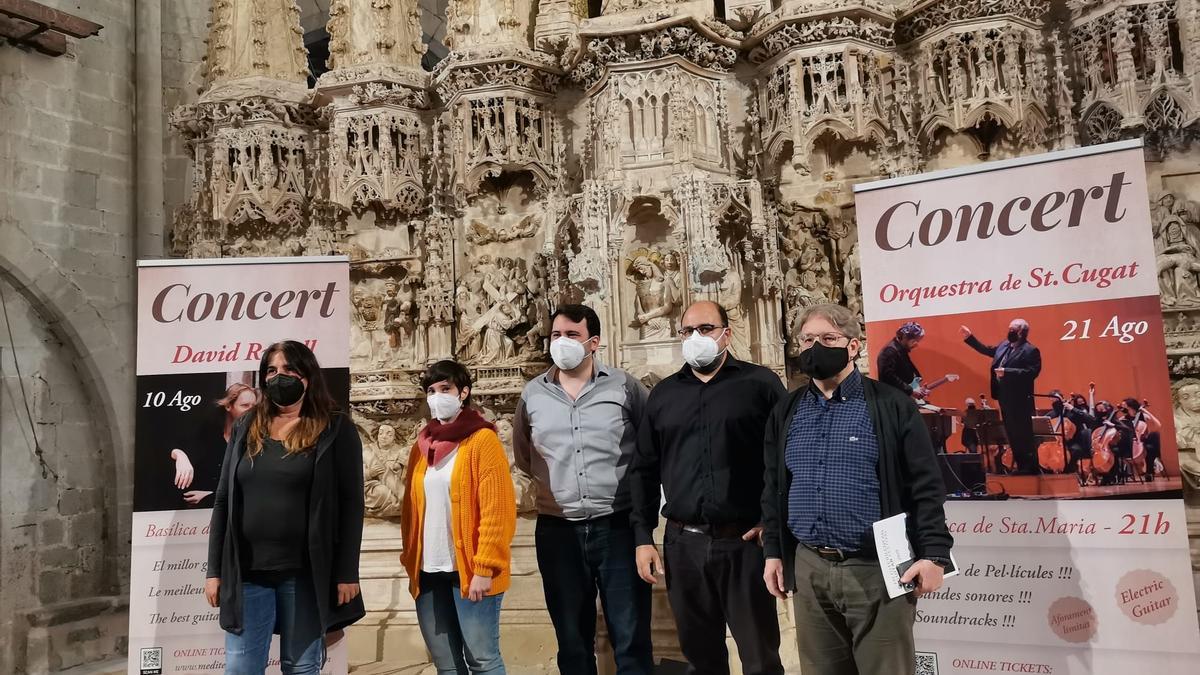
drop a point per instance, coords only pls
(840, 454)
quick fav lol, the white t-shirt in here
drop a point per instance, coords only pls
(437, 545)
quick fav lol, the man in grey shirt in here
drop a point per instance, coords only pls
(575, 431)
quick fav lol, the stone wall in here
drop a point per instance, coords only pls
(67, 242)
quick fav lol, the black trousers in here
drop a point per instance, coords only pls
(1017, 412)
(577, 559)
(714, 582)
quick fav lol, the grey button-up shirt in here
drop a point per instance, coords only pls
(577, 451)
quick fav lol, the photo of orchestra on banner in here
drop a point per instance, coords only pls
(1021, 402)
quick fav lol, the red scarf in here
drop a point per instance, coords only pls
(438, 439)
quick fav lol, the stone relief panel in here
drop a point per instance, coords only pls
(1175, 219)
(385, 458)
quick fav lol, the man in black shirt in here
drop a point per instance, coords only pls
(700, 440)
(894, 363)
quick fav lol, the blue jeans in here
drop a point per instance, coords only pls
(269, 602)
(462, 636)
(577, 559)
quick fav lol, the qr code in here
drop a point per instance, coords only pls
(151, 658)
(927, 663)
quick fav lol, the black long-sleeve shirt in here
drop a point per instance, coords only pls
(274, 513)
(895, 367)
(702, 442)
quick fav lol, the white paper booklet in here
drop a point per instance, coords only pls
(891, 543)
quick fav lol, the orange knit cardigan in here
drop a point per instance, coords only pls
(483, 511)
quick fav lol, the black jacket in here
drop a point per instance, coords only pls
(335, 522)
(1021, 368)
(910, 480)
(894, 366)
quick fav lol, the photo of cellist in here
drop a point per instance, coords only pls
(1073, 423)
(1143, 434)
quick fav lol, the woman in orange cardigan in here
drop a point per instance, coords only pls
(459, 518)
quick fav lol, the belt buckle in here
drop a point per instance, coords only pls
(693, 529)
(828, 552)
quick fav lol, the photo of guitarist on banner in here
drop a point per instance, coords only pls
(1065, 412)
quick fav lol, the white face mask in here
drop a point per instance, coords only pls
(443, 406)
(567, 353)
(700, 351)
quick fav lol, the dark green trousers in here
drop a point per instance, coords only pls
(845, 623)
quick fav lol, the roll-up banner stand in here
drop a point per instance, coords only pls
(1032, 278)
(201, 330)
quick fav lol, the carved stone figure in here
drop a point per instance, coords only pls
(656, 300)
(1177, 247)
(1187, 412)
(368, 322)
(400, 319)
(852, 281)
(538, 337)
(470, 301)
(480, 233)
(383, 474)
(728, 292)
(500, 307)
(526, 492)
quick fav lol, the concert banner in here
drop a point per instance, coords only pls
(1041, 373)
(202, 328)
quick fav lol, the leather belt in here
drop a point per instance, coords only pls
(837, 554)
(726, 531)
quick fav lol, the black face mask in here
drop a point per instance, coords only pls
(285, 390)
(1014, 335)
(821, 362)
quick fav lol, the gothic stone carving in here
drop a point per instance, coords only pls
(1135, 74)
(374, 31)
(255, 39)
(376, 159)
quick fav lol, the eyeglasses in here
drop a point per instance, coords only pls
(827, 339)
(704, 329)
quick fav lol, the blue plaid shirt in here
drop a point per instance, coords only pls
(832, 455)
